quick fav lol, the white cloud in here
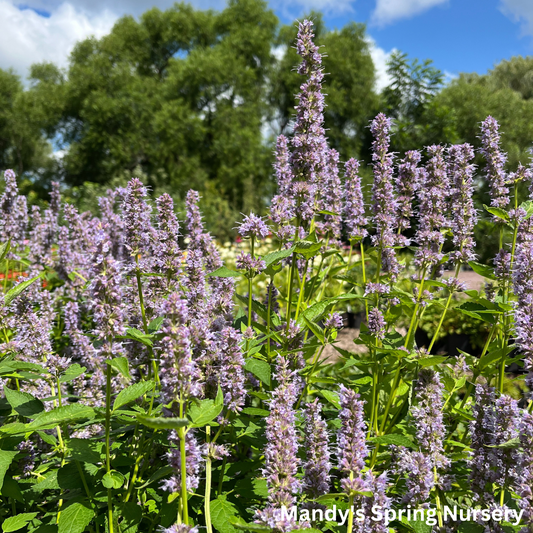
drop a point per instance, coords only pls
(380, 58)
(388, 11)
(520, 11)
(27, 37)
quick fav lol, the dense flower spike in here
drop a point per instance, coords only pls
(496, 159)
(13, 212)
(407, 182)
(377, 485)
(281, 459)
(137, 225)
(231, 370)
(354, 209)
(317, 478)
(523, 289)
(331, 195)
(253, 227)
(384, 203)
(464, 216)
(351, 443)
(167, 251)
(376, 323)
(194, 462)
(432, 195)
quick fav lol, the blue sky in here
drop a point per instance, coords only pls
(458, 35)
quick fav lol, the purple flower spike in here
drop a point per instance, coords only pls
(13, 213)
(253, 226)
(407, 182)
(464, 216)
(331, 195)
(384, 204)
(351, 443)
(496, 159)
(282, 167)
(231, 373)
(333, 321)
(354, 208)
(137, 218)
(317, 468)
(432, 196)
(376, 323)
(166, 250)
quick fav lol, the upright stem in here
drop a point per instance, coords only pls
(183, 470)
(302, 291)
(412, 325)
(362, 247)
(107, 445)
(207, 499)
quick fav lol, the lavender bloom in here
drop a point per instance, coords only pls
(180, 528)
(333, 321)
(282, 167)
(523, 289)
(524, 483)
(351, 443)
(377, 485)
(354, 208)
(331, 197)
(420, 476)
(464, 216)
(281, 212)
(407, 182)
(432, 209)
(253, 227)
(496, 175)
(114, 222)
(251, 266)
(495, 422)
(27, 463)
(376, 323)
(272, 298)
(231, 373)
(168, 256)
(137, 222)
(180, 377)
(384, 204)
(13, 212)
(193, 462)
(309, 142)
(195, 283)
(317, 468)
(281, 459)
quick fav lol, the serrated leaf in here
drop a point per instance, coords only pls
(162, 422)
(222, 513)
(260, 369)
(497, 212)
(14, 523)
(132, 393)
(18, 289)
(61, 415)
(164, 471)
(331, 397)
(121, 365)
(307, 248)
(431, 361)
(510, 444)
(23, 403)
(205, 411)
(4, 249)
(397, 440)
(273, 257)
(155, 324)
(84, 450)
(315, 328)
(255, 411)
(224, 272)
(113, 480)
(72, 372)
(6, 458)
(75, 518)
(140, 336)
(527, 206)
(483, 270)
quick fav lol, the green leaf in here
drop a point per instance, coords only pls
(4, 249)
(14, 523)
(6, 458)
(315, 328)
(497, 212)
(224, 272)
(162, 472)
(393, 438)
(420, 526)
(113, 480)
(72, 372)
(162, 422)
(510, 444)
(431, 361)
(242, 526)
(260, 369)
(222, 513)
(121, 365)
(307, 248)
(84, 450)
(273, 257)
(23, 403)
(155, 324)
(205, 411)
(483, 270)
(18, 289)
(255, 411)
(11, 489)
(75, 518)
(331, 397)
(61, 415)
(315, 311)
(527, 206)
(132, 393)
(491, 357)
(138, 335)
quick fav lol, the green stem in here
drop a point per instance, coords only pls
(301, 295)
(108, 445)
(207, 499)
(413, 324)
(183, 461)
(362, 247)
